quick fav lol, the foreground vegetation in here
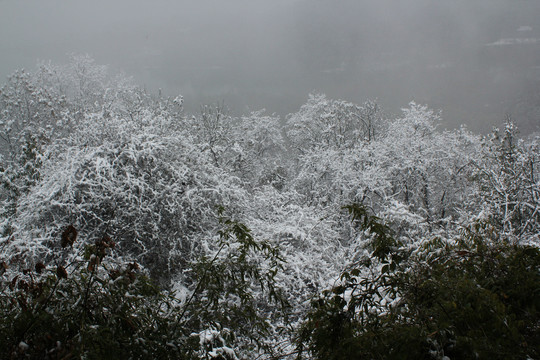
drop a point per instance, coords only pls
(132, 230)
(474, 299)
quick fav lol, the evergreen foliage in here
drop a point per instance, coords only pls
(477, 298)
(100, 306)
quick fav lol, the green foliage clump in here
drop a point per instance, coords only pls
(99, 306)
(472, 299)
(93, 308)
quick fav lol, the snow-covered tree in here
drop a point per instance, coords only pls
(427, 169)
(508, 174)
(325, 123)
(127, 168)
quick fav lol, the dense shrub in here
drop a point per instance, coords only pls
(476, 298)
(99, 306)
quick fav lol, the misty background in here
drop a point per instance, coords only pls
(476, 60)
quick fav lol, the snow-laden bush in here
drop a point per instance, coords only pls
(90, 303)
(328, 123)
(410, 163)
(140, 182)
(129, 170)
(250, 147)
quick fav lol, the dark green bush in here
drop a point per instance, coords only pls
(101, 307)
(476, 299)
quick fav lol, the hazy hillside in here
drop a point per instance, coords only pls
(475, 60)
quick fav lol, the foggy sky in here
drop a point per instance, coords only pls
(474, 59)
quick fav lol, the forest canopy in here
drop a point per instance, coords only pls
(130, 229)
